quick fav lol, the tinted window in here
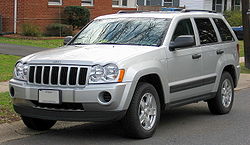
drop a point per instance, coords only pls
(184, 27)
(225, 33)
(206, 31)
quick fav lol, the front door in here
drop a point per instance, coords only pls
(184, 66)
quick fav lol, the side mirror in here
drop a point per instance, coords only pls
(182, 42)
(67, 39)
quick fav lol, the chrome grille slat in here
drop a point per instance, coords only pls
(55, 75)
(50, 72)
(68, 76)
(42, 75)
(59, 75)
(35, 75)
(77, 75)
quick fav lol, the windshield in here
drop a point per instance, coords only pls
(124, 31)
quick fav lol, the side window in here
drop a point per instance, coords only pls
(225, 33)
(206, 31)
(184, 27)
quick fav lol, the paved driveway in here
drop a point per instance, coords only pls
(18, 50)
(187, 125)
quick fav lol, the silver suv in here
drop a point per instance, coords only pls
(130, 67)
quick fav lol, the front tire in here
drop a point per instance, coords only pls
(38, 124)
(223, 101)
(143, 115)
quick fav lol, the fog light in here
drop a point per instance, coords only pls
(104, 97)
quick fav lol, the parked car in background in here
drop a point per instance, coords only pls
(130, 67)
(238, 32)
(171, 9)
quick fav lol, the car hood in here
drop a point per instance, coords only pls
(88, 54)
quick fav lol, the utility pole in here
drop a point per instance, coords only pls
(246, 27)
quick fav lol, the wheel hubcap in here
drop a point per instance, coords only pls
(147, 111)
(226, 93)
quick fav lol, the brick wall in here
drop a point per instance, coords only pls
(39, 13)
(6, 11)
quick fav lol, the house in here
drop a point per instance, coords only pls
(14, 13)
(216, 5)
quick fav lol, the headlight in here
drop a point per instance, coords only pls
(97, 73)
(104, 74)
(21, 71)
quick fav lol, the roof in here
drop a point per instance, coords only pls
(160, 14)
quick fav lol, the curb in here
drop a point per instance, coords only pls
(17, 130)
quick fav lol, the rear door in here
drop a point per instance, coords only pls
(212, 51)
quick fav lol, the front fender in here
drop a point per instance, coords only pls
(136, 71)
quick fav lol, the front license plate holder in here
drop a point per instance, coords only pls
(49, 96)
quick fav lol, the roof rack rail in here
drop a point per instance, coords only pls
(193, 10)
(130, 11)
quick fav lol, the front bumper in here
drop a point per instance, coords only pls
(25, 97)
(69, 115)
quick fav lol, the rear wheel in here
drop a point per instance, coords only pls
(38, 124)
(223, 102)
(143, 114)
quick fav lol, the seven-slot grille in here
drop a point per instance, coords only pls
(57, 75)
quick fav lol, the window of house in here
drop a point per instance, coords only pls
(168, 3)
(206, 31)
(120, 3)
(225, 5)
(237, 5)
(147, 2)
(55, 2)
(87, 3)
(218, 5)
(184, 27)
(124, 2)
(225, 33)
(115, 2)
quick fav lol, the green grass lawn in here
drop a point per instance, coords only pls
(7, 113)
(6, 66)
(243, 69)
(36, 43)
(241, 48)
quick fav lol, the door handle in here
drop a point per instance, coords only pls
(196, 56)
(220, 51)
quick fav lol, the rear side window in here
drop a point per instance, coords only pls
(225, 33)
(184, 27)
(206, 31)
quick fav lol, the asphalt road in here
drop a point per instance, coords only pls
(18, 50)
(187, 125)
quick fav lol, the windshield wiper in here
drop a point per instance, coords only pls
(110, 43)
(78, 44)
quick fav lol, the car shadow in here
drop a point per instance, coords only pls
(113, 133)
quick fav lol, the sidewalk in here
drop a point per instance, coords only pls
(4, 86)
(19, 50)
(242, 59)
